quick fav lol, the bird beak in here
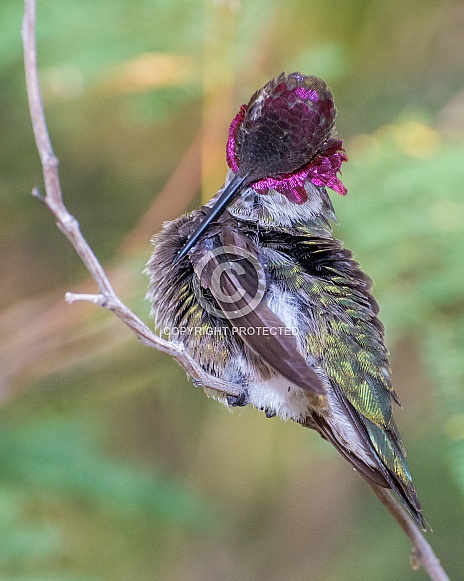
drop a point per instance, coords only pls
(231, 192)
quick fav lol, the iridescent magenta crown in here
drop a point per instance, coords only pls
(283, 137)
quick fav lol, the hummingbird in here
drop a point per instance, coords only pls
(263, 296)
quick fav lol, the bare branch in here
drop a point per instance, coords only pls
(53, 200)
(107, 298)
(75, 297)
(422, 553)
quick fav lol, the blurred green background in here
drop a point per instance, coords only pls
(114, 466)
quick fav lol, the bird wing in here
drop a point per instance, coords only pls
(346, 339)
(227, 265)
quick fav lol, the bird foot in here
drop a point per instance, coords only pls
(239, 400)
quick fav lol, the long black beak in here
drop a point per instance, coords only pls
(226, 198)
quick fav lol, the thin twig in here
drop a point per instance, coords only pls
(107, 298)
(422, 554)
(53, 200)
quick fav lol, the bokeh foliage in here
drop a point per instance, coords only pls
(112, 466)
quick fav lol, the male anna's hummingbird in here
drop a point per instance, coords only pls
(262, 296)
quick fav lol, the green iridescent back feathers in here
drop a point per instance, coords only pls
(349, 343)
